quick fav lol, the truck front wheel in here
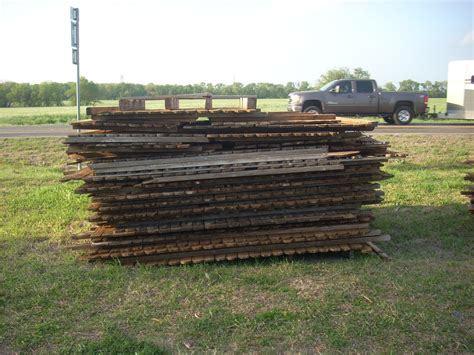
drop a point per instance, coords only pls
(312, 109)
(403, 115)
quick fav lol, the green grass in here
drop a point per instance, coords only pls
(421, 301)
(437, 105)
(65, 114)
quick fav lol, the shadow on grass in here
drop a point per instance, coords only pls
(426, 231)
(407, 166)
(417, 232)
(115, 341)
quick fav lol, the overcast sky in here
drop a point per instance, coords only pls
(185, 41)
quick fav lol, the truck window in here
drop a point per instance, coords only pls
(364, 86)
(345, 87)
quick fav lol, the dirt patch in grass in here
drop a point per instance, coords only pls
(309, 288)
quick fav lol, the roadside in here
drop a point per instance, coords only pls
(46, 130)
(13, 116)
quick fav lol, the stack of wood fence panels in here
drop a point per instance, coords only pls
(469, 192)
(187, 186)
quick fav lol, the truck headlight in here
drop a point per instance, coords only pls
(295, 99)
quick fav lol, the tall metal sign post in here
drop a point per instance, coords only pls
(75, 59)
(75, 54)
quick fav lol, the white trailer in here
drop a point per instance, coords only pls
(460, 100)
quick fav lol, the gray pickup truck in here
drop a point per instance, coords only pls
(360, 97)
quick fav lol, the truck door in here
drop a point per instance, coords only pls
(340, 98)
(366, 98)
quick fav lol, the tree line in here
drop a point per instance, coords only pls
(57, 94)
(434, 89)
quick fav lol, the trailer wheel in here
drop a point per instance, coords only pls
(388, 119)
(312, 109)
(403, 115)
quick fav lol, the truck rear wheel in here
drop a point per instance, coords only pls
(312, 109)
(403, 115)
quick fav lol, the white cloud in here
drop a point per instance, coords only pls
(468, 38)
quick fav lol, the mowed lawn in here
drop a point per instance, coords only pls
(420, 301)
(66, 114)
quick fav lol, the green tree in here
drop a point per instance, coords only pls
(5, 89)
(290, 87)
(304, 86)
(236, 88)
(150, 89)
(35, 99)
(427, 85)
(89, 92)
(409, 85)
(249, 89)
(435, 89)
(359, 73)
(49, 94)
(264, 90)
(389, 86)
(58, 93)
(20, 94)
(44, 94)
(341, 73)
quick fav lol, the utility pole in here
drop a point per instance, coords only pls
(75, 55)
(74, 13)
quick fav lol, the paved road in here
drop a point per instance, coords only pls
(421, 128)
(36, 131)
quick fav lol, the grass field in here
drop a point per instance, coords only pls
(421, 301)
(65, 114)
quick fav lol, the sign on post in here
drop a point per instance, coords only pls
(74, 15)
(74, 56)
(74, 35)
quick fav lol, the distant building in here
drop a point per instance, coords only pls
(460, 100)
